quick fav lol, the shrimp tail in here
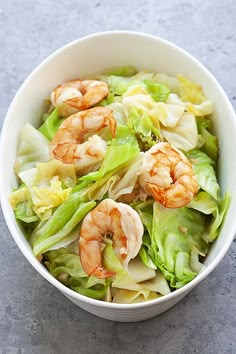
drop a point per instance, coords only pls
(91, 259)
(112, 124)
(102, 273)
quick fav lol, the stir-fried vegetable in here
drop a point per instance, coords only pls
(118, 191)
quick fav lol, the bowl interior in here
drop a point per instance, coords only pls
(90, 55)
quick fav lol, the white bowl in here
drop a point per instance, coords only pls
(90, 55)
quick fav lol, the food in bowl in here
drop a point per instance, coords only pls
(118, 193)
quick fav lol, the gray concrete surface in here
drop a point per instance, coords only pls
(34, 317)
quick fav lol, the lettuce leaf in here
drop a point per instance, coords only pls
(203, 167)
(51, 124)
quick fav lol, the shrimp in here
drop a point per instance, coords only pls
(168, 175)
(109, 220)
(68, 143)
(77, 95)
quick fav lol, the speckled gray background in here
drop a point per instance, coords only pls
(34, 317)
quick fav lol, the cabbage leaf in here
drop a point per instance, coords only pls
(125, 71)
(157, 91)
(190, 91)
(121, 150)
(207, 205)
(210, 145)
(43, 173)
(48, 185)
(51, 124)
(203, 167)
(139, 283)
(67, 268)
(118, 113)
(118, 182)
(175, 234)
(33, 148)
(169, 81)
(141, 124)
(22, 205)
(62, 222)
(184, 135)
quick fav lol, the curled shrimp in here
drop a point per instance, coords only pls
(68, 143)
(113, 220)
(168, 175)
(77, 95)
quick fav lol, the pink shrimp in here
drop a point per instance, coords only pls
(168, 175)
(77, 95)
(68, 144)
(109, 220)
